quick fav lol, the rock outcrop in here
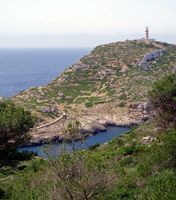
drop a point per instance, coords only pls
(149, 57)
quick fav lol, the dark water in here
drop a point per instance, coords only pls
(24, 68)
(99, 138)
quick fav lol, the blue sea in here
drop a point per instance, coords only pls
(24, 68)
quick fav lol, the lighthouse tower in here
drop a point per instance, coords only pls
(146, 38)
(147, 33)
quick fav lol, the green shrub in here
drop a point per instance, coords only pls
(121, 193)
(127, 161)
(2, 193)
(15, 122)
(93, 147)
(121, 104)
(129, 150)
(159, 155)
(169, 148)
(123, 97)
(88, 104)
(163, 99)
(162, 186)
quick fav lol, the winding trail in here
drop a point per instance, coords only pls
(64, 116)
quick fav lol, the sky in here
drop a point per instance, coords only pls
(83, 23)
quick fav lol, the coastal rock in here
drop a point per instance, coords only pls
(107, 122)
(44, 140)
(94, 127)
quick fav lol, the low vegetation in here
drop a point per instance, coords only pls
(110, 73)
(139, 165)
(163, 98)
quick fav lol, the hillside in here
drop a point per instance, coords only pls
(108, 86)
(138, 165)
(134, 166)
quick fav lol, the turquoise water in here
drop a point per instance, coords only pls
(24, 68)
(99, 138)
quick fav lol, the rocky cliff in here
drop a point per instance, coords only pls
(108, 86)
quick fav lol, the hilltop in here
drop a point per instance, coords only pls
(108, 86)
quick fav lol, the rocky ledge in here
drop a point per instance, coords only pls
(92, 124)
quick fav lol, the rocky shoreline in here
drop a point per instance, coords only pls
(92, 129)
(92, 123)
(60, 139)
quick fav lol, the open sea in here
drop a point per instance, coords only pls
(24, 68)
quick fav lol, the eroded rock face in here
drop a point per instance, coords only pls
(145, 109)
(146, 106)
(94, 127)
(144, 64)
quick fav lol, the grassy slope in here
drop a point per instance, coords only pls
(142, 170)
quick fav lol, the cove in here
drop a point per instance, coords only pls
(99, 138)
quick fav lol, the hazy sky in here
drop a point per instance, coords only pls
(83, 23)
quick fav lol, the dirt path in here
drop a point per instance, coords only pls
(51, 123)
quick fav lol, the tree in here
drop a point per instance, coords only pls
(15, 122)
(163, 99)
(72, 132)
(76, 176)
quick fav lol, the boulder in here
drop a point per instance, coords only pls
(60, 94)
(49, 110)
(148, 139)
